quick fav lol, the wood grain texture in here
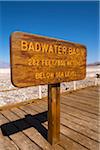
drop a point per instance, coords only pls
(79, 130)
(38, 60)
(54, 113)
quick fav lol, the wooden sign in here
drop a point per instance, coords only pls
(38, 60)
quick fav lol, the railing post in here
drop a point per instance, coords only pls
(40, 92)
(74, 85)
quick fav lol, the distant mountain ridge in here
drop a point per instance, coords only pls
(94, 64)
(4, 64)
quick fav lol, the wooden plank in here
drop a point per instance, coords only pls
(5, 141)
(39, 108)
(40, 140)
(78, 113)
(70, 144)
(70, 116)
(88, 94)
(95, 136)
(74, 114)
(79, 138)
(65, 141)
(57, 147)
(44, 145)
(84, 100)
(94, 88)
(83, 93)
(92, 113)
(80, 122)
(31, 131)
(81, 106)
(78, 126)
(52, 60)
(56, 129)
(54, 113)
(80, 129)
(28, 110)
(91, 141)
(20, 138)
(35, 107)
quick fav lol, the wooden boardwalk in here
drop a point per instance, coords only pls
(25, 127)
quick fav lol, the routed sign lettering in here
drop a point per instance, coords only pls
(37, 60)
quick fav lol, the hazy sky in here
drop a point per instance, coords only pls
(71, 21)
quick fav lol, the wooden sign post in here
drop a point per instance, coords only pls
(39, 60)
(54, 113)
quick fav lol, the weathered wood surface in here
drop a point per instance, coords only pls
(54, 113)
(39, 60)
(26, 126)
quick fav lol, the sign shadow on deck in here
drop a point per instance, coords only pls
(29, 121)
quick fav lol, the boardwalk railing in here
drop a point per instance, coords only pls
(74, 85)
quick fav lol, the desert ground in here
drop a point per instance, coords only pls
(10, 94)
